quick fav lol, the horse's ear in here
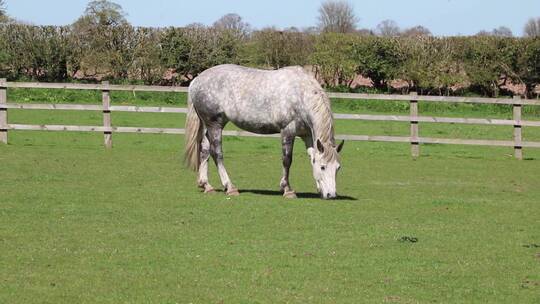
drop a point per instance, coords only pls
(320, 146)
(340, 147)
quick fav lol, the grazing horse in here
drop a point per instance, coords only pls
(287, 101)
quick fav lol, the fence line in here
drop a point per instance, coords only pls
(99, 87)
(402, 139)
(414, 118)
(452, 99)
(395, 118)
(361, 96)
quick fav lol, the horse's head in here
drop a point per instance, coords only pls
(325, 162)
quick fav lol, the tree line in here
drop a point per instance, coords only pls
(102, 44)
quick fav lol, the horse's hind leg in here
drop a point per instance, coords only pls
(215, 137)
(203, 167)
(287, 143)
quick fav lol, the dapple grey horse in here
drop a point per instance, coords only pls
(288, 101)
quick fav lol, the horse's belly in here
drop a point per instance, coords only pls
(258, 127)
(261, 122)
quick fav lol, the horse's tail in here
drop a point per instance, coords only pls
(194, 135)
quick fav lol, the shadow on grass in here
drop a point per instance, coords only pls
(310, 195)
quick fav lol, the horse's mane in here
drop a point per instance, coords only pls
(323, 124)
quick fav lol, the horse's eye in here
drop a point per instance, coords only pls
(323, 168)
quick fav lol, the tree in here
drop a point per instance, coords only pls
(337, 16)
(147, 64)
(195, 48)
(36, 52)
(105, 12)
(483, 33)
(502, 31)
(365, 32)
(3, 13)
(234, 24)
(532, 28)
(416, 31)
(103, 41)
(430, 64)
(276, 49)
(527, 66)
(487, 59)
(388, 28)
(378, 59)
(333, 58)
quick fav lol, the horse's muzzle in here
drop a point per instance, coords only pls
(328, 196)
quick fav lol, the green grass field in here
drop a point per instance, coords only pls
(80, 224)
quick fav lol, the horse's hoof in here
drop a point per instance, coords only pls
(233, 192)
(290, 195)
(209, 190)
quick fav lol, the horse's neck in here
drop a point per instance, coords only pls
(321, 123)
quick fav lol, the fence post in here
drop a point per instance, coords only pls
(106, 99)
(518, 148)
(413, 106)
(3, 112)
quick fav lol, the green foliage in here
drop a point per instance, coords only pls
(528, 63)
(191, 50)
(45, 58)
(377, 58)
(102, 44)
(103, 41)
(175, 49)
(429, 63)
(147, 56)
(105, 13)
(334, 58)
(276, 49)
(486, 60)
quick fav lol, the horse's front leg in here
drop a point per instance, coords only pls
(287, 144)
(215, 137)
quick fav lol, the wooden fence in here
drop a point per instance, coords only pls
(413, 119)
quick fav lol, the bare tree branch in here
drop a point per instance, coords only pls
(532, 28)
(502, 31)
(233, 23)
(416, 31)
(3, 13)
(388, 28)
(337, 16)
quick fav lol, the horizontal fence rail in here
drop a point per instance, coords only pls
(395, 118)
(99, 87)
(502, 101)
(413, 119)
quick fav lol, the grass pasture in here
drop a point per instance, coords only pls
(82, 224)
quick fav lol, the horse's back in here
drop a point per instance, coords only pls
(244, 80)
(256, 100)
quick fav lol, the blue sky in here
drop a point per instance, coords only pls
(442, 17)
